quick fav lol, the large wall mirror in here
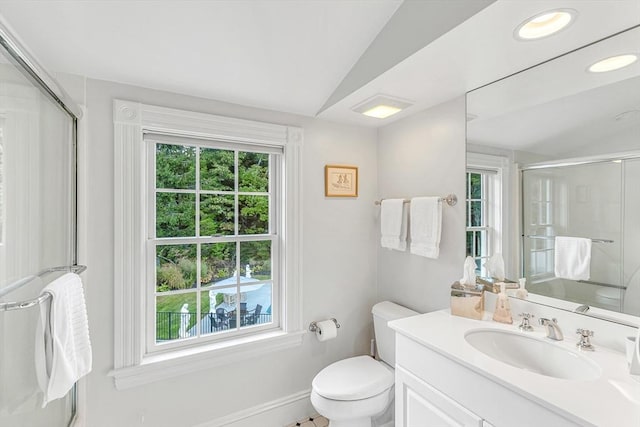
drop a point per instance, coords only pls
(555, 151)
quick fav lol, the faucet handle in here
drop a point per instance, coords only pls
(525, 325)
(585, 343)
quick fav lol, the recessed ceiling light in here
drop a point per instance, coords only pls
(544, 24)
(613, 63)
(381, 106)
(382, 111)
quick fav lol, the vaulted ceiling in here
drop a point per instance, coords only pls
(310, 57)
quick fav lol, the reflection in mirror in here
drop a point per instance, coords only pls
(556, 152)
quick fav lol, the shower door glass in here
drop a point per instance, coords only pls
(579, 201)
(37, 231)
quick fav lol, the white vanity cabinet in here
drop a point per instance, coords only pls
(434, 390)
(418, 405)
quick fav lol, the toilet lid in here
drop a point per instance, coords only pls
(353, 379)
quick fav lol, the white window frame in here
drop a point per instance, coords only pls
(497, 208)
(275, 196)
(133, 363)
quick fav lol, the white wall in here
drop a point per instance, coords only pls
(424, 155)
(339, 271)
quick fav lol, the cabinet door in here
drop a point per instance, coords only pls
(420, 405)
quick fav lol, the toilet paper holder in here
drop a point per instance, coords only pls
(313, 326)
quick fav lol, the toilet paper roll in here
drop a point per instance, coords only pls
(326, 330)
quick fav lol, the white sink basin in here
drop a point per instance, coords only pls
(532, 354)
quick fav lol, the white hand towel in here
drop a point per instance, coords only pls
(63, 348)
(572, 258)
(393, 224)
(426, 226)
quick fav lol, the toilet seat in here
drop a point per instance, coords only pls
(355, 378)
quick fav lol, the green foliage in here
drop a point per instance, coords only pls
(175, 166)
(254, 214)
(175, 215)
(169, 278)
(217, 170)
(253, 172)
(216, 215)
(474, 192)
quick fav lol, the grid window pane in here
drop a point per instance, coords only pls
(217, 215)
(476, 212)
(175, 215)
(176, 267)
(253, 214)
(202, 288)
(218, 264)
(475, 186)
(255, 260)
(253, 172)
(175, 166)
(176, 317)
(258, 299)
(217, 170)
(215, 313)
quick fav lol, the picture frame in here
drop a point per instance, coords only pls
(340, 181)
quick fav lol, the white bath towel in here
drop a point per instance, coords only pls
(63, 347)
(572, 258)
(426, 226)
(393, 224)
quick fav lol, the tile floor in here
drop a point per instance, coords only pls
(315, 421)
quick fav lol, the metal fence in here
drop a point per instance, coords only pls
(169, 324)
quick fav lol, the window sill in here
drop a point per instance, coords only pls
(184, 361)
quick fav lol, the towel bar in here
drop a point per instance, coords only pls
(451, 200)
(553, 237)
(18, 305)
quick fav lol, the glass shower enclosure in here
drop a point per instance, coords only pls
(599, 200)
(37, 225)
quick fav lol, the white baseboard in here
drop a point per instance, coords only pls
(276, 413)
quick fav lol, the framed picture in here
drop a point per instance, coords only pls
(340, 181)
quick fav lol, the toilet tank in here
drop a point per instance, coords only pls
(383, 312)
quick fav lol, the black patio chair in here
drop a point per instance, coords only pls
(222, 318)
(254, 317)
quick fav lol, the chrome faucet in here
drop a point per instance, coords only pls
(553, 330)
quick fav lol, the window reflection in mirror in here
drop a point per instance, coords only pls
(570, 140)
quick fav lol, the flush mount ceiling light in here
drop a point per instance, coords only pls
(544, 24)
(381, 106)
(613, 63)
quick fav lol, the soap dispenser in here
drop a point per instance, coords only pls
(502, 313)
(522, 292)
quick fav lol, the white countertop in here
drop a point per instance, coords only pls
(611, 400)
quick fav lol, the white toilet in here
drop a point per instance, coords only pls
(358, 392)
